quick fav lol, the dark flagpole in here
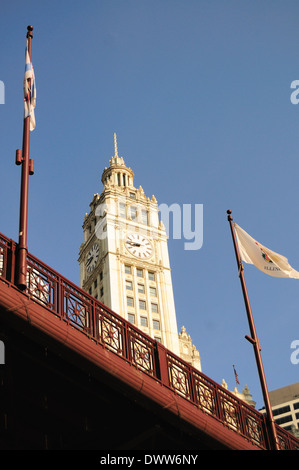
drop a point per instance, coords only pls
(24, 160)
(255, 342)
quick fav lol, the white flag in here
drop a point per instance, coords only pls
(29, 91)
(264, 259)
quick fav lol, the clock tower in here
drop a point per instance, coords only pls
(124, 259)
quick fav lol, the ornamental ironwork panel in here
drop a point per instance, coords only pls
(40, 286)
(205, 394)
(3, 256)
(254, 429)
(141, 351)
(179, 377)
(230, 411)
(286, 441)
(282, 443)
(111, 331)
(2, 273)
(76, 309)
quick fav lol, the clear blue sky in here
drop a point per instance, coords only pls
(198, 93)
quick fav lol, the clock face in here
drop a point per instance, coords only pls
(139, 246)
(92, 258)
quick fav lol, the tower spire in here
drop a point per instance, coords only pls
(118, 173)
(115, 146)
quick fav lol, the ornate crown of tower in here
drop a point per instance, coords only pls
(117, 174)
(124, 259)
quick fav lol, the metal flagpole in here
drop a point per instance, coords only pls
(23, 159)
(254, 341)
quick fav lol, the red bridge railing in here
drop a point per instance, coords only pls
(82, 311)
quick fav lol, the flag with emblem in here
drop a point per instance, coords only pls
(263, 258)
(29, 91)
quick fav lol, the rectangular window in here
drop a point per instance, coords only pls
(133, 211)
(101, 275)
(143, 321)
(156, 324)
(139, 272)
(122, 209)
(141, 288)
(151, 276)
(131, 317)
(127, 269)
(280, 411)
(132, 195)
(153, 291)
(130, 302)
(284, 419)
(102, 291)
(144, 217)
(142, 304)
(129, 285)
(154, 308)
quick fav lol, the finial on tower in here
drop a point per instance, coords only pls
(115, 146)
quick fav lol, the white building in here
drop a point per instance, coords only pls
(285, 406)
(124, 259)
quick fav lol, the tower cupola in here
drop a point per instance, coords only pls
(118, 173)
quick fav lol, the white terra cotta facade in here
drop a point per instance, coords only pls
(124, 259)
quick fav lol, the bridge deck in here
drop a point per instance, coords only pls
(116, 371)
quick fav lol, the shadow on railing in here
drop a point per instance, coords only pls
(82, 311)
